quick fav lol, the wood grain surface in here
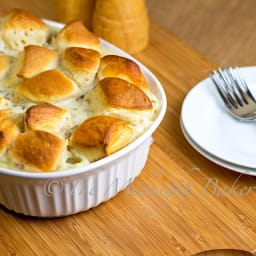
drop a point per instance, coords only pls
(181, 203)
(226, 252)
(224, 31)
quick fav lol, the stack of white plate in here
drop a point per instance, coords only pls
(212, 131)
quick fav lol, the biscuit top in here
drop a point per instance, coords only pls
(45, 116)
(18, 18)
(8, 129)
(110, 132)
(36, 59)
(5, 62)
(81, 58)
(50, 85)
(76, 34)
(121, 67)
(37, 150)
(120, 93)
(20, 28)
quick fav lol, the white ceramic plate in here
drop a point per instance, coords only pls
(230, 166)
(209, 124)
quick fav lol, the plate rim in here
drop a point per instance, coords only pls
(214, 159)
(250, 163)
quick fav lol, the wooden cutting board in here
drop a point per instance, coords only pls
(181, 203)
(225, 252)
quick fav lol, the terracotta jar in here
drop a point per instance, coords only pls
(123, 23)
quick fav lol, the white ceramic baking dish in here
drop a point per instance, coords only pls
(71, 191)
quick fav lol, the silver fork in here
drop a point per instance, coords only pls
(235, 93)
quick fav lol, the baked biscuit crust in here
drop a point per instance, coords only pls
(121, 67)
(106, 134)
(5, 63)
(20, 28)
(82, 58)
(120, 93)
(81, 64)
(46, 117)
(37, 150)
(76, 34)
(50, 86)
(8, 130)
(23, 19)
(36, 59)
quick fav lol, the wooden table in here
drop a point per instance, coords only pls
(224, 31)
(168, 210)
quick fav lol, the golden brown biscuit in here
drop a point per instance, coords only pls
(46, 117)
(121, 67)
(101, 136)
(117, 97)
(123, 94)
(30, 62)
(35, 59)
(5, 64)
(20, 28)
(76, 34)
(81, 65)
(49, 85)
(37, 151)
(8, 130)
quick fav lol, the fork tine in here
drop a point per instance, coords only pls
(221, 90)
(235, 86)
(238, 84)
(222, 81)
(244, 84)
(233, 92)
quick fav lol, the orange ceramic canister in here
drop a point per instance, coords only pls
(122, 23)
